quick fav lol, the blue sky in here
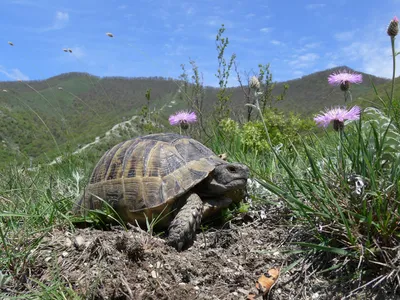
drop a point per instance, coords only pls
(154, 37)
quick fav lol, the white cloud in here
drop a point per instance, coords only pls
(297, 73)
(312, 45)
(216, 21)
(303, 61)
(308, 46)
(61, 20)
(374, 57)
(250, 15)
(266, 29)
(331, 65)
(175, 50)
(344, 36)
(276, 42)
(315, 6)
(14, 74)
(122, 6)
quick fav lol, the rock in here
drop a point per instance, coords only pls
(79, 242)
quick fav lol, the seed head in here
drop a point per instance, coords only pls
(109, 34)
(254, 83)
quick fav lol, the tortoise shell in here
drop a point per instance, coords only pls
(144, 176)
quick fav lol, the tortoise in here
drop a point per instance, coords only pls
(173, 178)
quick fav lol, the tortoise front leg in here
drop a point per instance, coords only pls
(182, 229)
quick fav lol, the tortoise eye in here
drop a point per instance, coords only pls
(232, 169)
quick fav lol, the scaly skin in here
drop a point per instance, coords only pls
(182, 229)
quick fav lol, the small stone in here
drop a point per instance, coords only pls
(79, 241)
(68, 243)
(196, 288)
(64, 254)
(243, 291)
(158, 265)
(181, 283)
(47, 259)
(315, 296)
(154, 274)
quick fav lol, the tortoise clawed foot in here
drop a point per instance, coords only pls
(182, 230)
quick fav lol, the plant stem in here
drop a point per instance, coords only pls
(262, 119)
(394, 71)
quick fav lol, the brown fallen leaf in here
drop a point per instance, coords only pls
(251, 296)
(266, 281)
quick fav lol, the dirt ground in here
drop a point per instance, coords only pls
(223, 263)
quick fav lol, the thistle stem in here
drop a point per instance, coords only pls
(263, 121)
(392, 38)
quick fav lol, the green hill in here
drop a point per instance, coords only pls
(41, 119)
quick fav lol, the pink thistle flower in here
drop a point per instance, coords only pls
(393, 28)
(337, 115)
(182, 118)
(344, 79)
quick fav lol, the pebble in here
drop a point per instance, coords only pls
(154, 274)
(243, 291)
(79, 241)
(64, 254)
(68, 243)
(315, 296)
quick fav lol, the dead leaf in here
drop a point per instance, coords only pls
(266, 281)
(251, 296)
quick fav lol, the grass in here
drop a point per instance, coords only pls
(342, 188)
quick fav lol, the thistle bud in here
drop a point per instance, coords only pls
(393, 28)
(254, 83)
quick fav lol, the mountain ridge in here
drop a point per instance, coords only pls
(76, 107)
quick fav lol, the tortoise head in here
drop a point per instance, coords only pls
(224, 178)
